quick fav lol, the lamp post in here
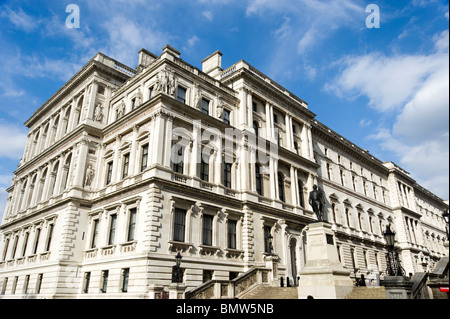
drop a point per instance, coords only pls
(177, 273)
(394, 267)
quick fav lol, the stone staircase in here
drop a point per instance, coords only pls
(367, 293)
(268, 292)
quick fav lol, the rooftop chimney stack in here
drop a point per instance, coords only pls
(212, 65)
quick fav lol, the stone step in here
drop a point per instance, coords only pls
(267, 292)
(367, 293)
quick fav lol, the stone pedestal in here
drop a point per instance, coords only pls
(176, 291)
(398, 287)
(323, 276)
(272, 264)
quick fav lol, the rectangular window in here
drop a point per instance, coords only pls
(207, 229)
(5, 251)
(49, 238)
(254, 107)
(132, 224)
(275, 118)
(126, 164)
(227, 175)
(207, 275)
(26, 283)
(112, 229)
(14, 286)
(267, 245)
(144, 159)
(231, 234)
(300, 193)
(87, 279)
(205, 106)
(25, 243)
(179, 225)
(181, 94)
(150, 92)
(125, 277)
(204, 171)
(226, 117)
(39, 283)
(177, 163)
(133, 104)
(105, 275)
(258, 179)
(94, 233)
(109, 173)
(5, 284)
(36, 241)
(101, 90)
(16, 240)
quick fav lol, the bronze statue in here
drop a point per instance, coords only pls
(317, 201)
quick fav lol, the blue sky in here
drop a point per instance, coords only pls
(386, 89)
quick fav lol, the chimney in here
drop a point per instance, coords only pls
(212, 65)
(145, 59)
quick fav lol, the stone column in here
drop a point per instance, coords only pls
(273, 179)
(167, 144)
(133, 152)
(269, 124)
(83, 148)
(158, 138)
(253, 170)
(243, 108)
(289, 136)
(294, 186)
(58, 177)
(91, 105)
(196, 157)
(250, 111)
(73, 115)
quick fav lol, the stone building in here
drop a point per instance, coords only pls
(124, 168)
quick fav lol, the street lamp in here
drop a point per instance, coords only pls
(393, 262)
(177, 272)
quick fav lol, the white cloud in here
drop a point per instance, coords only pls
(305, 24)
(126, 37)
(20, 19)
(208, 15)
(365, 123)
(12, 142)
(3, 197)
(388, 81)
(415, 88)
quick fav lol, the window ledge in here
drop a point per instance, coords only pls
(180, 246)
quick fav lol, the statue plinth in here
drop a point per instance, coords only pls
(323, 276)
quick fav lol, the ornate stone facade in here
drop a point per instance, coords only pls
(115, 181)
